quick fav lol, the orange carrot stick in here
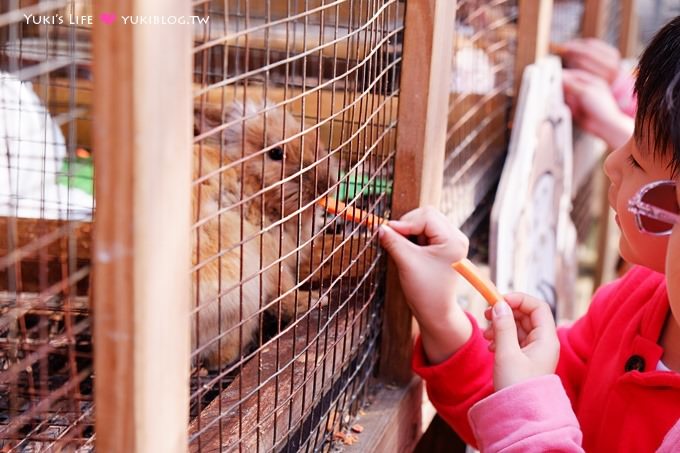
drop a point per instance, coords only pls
(473, 275)
(352, 214)
(557, 49)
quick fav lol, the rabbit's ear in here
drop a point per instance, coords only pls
(237, 110)
(234, 112)
(206, 118)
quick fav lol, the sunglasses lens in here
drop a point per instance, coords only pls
(662, 196)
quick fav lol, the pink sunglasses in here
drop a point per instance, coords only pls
(656, 208)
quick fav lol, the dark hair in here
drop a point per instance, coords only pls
(658, 95)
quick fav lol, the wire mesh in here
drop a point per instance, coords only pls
(612, 30)
(567, 20)
(479, 104)
(46, 206)
(294, 101)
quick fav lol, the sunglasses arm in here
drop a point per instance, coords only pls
(642, 208)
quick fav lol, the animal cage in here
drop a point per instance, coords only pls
(46, 207)
(293, 102)
(614, 21)
(482, 77)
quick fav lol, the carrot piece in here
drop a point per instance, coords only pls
(82, 153)
(557, 49)
(473, 275)
(352, 214)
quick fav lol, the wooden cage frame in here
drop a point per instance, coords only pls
(142, 244)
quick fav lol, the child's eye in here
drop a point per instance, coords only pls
(633, 163)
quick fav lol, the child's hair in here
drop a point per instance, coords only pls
(658, 95)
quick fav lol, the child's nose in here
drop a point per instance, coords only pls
(612, 166)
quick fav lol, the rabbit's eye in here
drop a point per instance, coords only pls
(276, 153)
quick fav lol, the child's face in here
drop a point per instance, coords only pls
(628, 169)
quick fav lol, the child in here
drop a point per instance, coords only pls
(519, 417)
(619, 363)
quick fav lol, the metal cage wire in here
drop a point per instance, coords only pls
(567, 20)
(46, 204)
(479, 105)
(294, 101)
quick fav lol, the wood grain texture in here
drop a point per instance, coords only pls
(43, 236)
(421, 138)
(142, 147)
(594, 18)
(533, 36)
(42, 247)
(113, 291)
(395, 420)
(628, 29)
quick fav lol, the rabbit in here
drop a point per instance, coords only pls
(256, 198)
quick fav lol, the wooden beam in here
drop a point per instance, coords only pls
(594, 18)
(628, 29)
(533, 36)
(421, 139)
(43, 237)
(142, 138)
(41, 247)
(395, 420)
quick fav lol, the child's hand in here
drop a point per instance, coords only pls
(427, 279)
(523, 339)
(594, 56)
(594, 108)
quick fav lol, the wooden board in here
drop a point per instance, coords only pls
(628, 29)
(532, 237)
(43, 249)
(48, 239)
(419, 162)
(142, 236)
(594, 18)
(295, 37)
(533, 35)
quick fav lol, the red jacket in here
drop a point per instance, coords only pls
(607, 366)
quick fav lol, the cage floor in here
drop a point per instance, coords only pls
(46, 376)
(288, 394)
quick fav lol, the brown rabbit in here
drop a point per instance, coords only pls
(251, 244)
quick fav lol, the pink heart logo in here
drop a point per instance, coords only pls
(107, 18)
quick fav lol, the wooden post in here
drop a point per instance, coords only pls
(594, 18)
(421, 140)
(533, 36)
(628, 37)
(142, 151)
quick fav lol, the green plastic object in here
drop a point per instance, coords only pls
(353, 184)
(77, 174)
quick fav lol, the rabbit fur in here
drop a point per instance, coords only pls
(248, 218)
